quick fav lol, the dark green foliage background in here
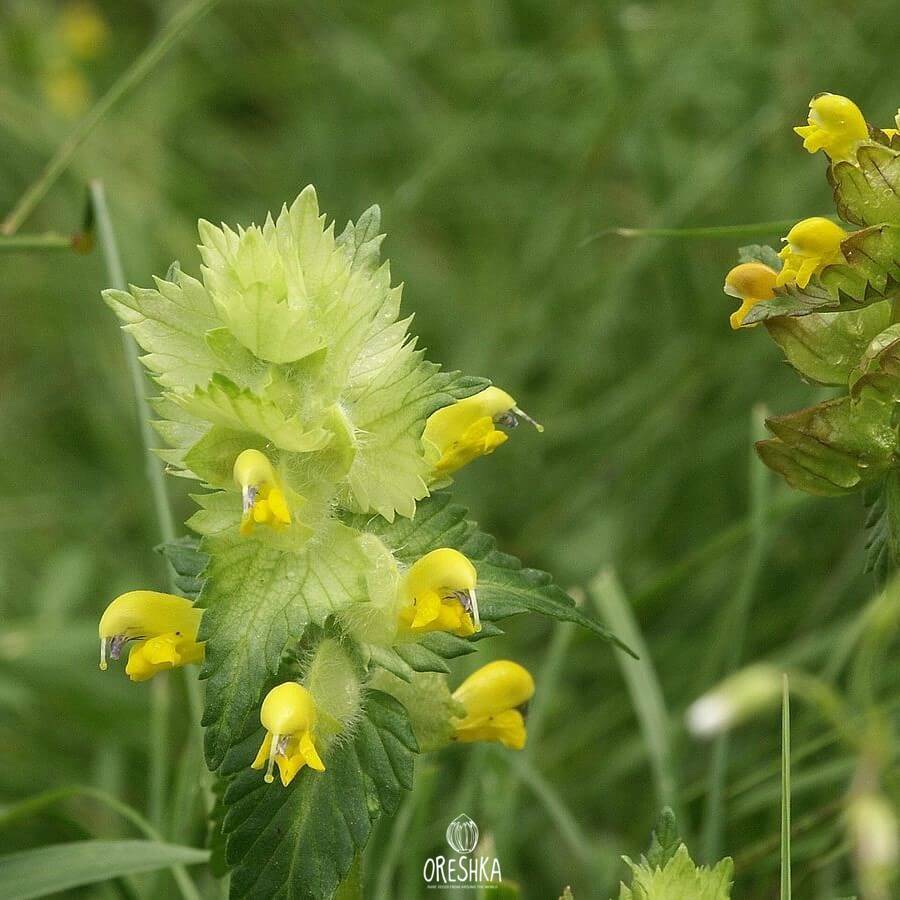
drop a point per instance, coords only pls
(498, 137)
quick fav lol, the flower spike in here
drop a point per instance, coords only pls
(810, 246)
(263, 500)
(438, 594)
(288, 714)
(163, 628)
(836, 126)
(465, 430)
(493, 696)
(751, 283)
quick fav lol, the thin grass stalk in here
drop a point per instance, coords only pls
(177, 27)
(785, 790)
(160, 688)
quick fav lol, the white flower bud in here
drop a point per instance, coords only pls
(737, 698)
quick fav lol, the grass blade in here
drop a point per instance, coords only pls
(170, 35)
(643, 685)
(785, 792)
(47, 870)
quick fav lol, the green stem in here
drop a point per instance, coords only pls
(713, 231)
(786, 791)
(36, 242)
(41, 801)
(170, 35)
(161, 689)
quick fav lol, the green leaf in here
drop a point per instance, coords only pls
(504, 587)
(825, 347)
(223, 403)
(169, 324)
(868, 192)
(266, 309)
(761, 253)
(258, 599)
(389, 472)
(883, 526)
(871, 274)
(878, 372)
(188, 562)
(60, 867)
(300, 841)
(679, 879)
(832, 448)
(664, 841)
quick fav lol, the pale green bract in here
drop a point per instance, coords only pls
(292, 344)
(680, 878)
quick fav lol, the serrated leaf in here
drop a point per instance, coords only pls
(664, 841)
(870, 275)
(679, 879)
(259, 598)
(169, 324)
(188, 562)
(300, 841)
(223, 403)
(761, 253)
(878, 370)
(825, 347)
(390, 472)
(505, 588)
(883, 526)
(832, 448)
(868, 192)
(254, 295)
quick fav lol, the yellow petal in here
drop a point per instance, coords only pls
(492, 689)
(310, 754)
(263, 755)
(507, 728)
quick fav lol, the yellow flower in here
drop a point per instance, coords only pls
(288, 714)
(751, 283)
(812, 245)
(467, 429)
(163, 626)
(438, 594)
(83, 29)
(492, 696)
(835, 125)
(264, 502)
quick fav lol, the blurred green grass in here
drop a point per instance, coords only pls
(498, 137)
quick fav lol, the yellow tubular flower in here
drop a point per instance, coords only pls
(811, 245)
(438, 594)
(492, 696)
(835, 125)
(467, 429)
(751, 283)
(163, 627)
(289, 716)
(263, 500)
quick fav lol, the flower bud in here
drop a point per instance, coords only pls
(737, 698)
(836, 126)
